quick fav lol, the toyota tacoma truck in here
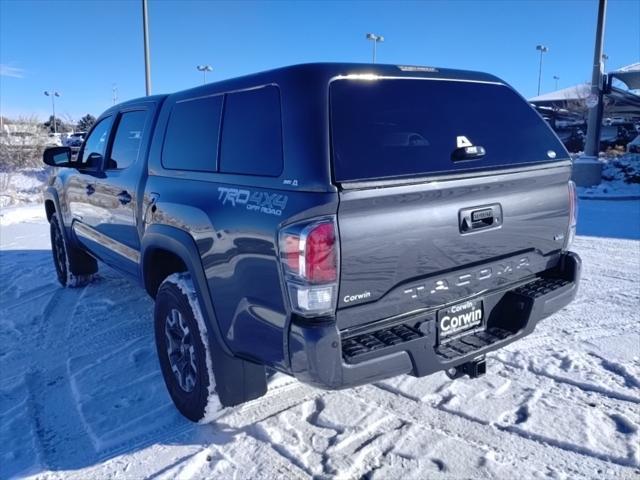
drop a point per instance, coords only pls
(339, 223)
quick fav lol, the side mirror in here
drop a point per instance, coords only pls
(57, 157)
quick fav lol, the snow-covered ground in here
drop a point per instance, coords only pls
(81, 394)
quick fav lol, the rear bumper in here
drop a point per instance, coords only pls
(320, 356)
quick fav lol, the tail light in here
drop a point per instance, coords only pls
(309, 257)
(573, 215)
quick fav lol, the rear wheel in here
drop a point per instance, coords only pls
(181, 341)
(74, 268)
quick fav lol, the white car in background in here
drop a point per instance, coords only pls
(75, 139)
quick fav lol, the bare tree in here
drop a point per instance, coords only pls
(68, 120)
(578, 102)
(22, 143)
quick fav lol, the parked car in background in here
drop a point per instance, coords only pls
(634, 145)
(617, 135)
(74, 141)
(573, 139)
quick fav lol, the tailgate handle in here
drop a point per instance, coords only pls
(472, 152)
(480, 218)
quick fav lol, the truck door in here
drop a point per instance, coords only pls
(81, 183)
(115, 203)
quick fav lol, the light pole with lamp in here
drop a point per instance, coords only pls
(204, 69)
(542, 49)
(53, 94)
(556, 78)
(375, 39)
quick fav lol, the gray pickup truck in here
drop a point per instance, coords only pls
(340, 223)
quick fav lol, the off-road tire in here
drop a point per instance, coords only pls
(173, 297)
(74, 268)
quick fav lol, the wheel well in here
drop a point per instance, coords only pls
(50, 208)
(158, 265)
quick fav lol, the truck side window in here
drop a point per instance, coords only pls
(251, 141)
(96, 144)
(126, 144)
(191, 139)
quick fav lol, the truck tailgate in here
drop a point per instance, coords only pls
(405, 248)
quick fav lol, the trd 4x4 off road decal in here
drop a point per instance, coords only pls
(263, 202)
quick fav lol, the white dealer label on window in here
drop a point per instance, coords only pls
(462, 141)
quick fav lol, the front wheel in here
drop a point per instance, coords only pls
(183, 349)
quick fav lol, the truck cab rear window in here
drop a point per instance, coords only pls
(395, 128)
(191, 139)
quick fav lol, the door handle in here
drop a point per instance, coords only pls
(90, 189)
(124, 197)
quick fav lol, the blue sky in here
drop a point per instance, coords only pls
(81, 48)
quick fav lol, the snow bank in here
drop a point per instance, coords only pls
(27, 214)
(22, 186)
(620, 179)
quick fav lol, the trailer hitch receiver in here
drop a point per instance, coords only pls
(475, 368)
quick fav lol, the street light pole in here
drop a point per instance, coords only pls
(53, 94)
(594, 122)
(147, 61)
(375, 38)
(587, 170)
(114, 92)
(542, 50)
(556, 78)
(204, 69)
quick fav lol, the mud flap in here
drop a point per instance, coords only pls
(237, 380)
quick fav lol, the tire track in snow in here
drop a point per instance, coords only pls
(585, 386)
(274, 402)
(28, 297)
(509, 442)
(58, 425)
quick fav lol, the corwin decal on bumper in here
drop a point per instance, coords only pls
(262, 202)
(461, 319)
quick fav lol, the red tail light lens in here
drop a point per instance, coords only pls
(320, 254)
(310, 252)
